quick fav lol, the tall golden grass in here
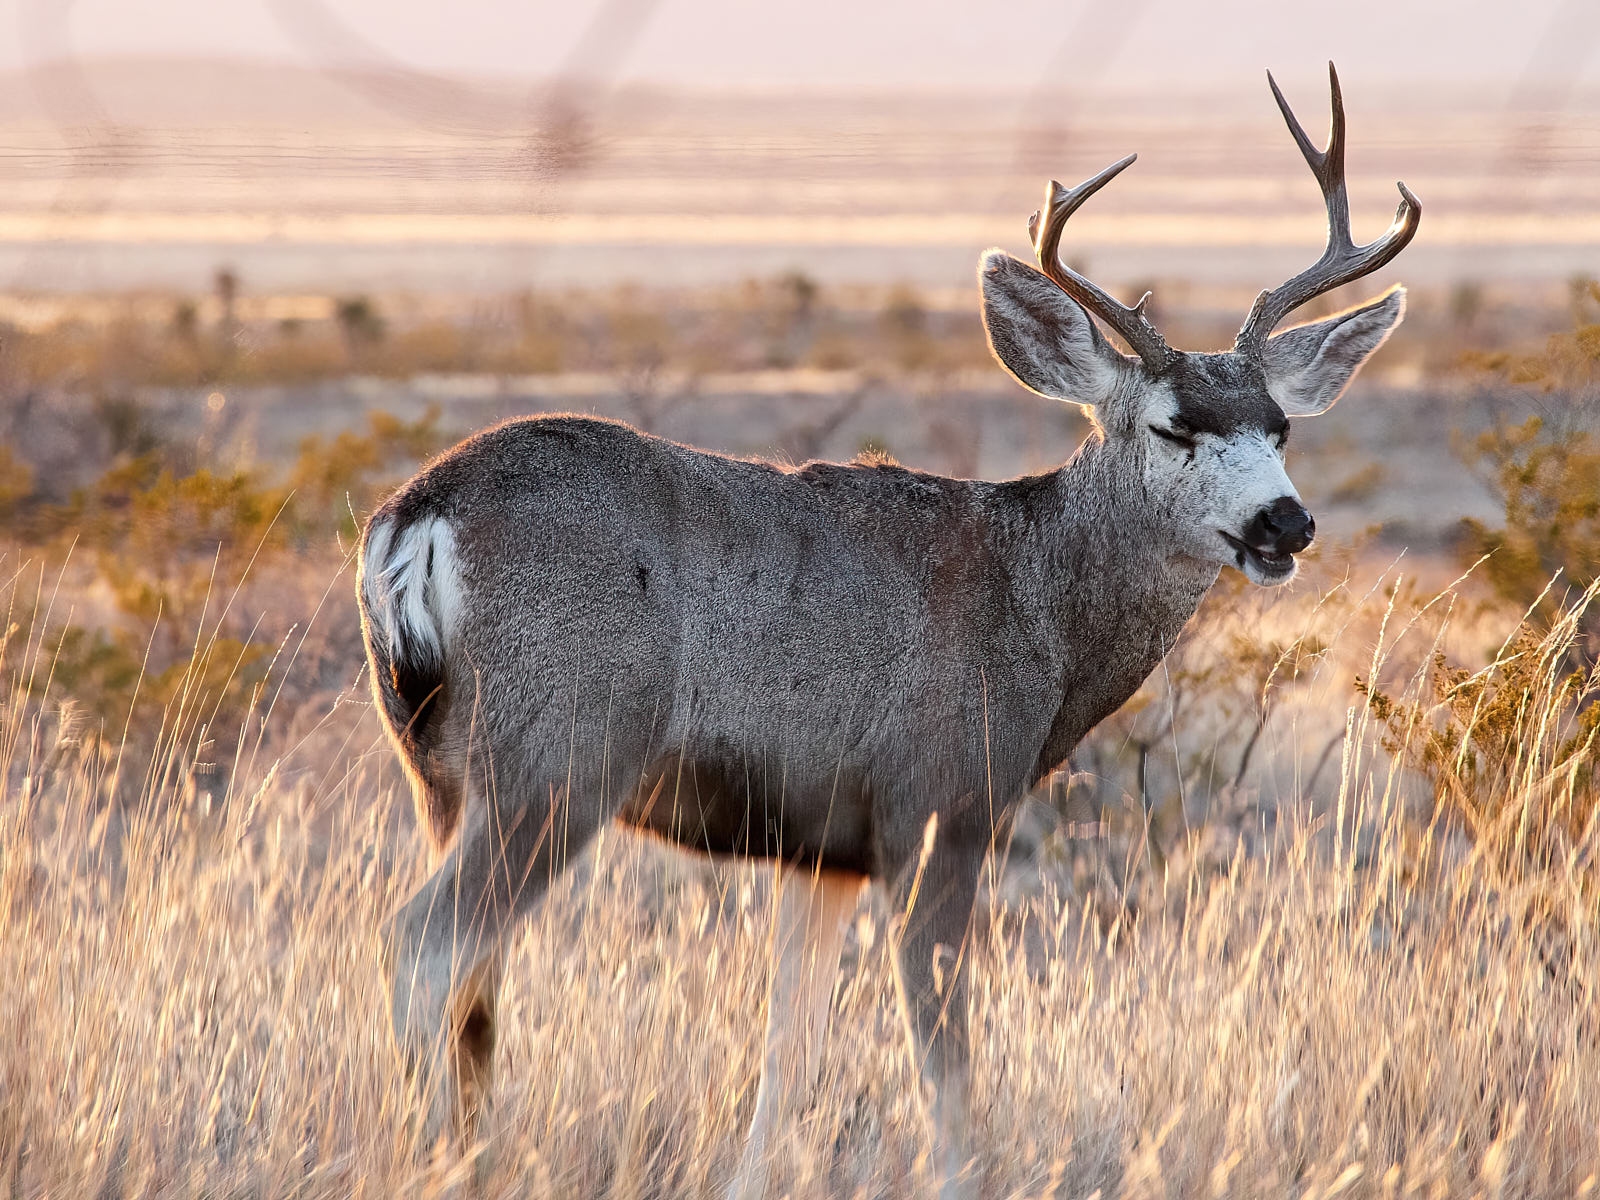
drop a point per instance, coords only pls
(1362, 1002)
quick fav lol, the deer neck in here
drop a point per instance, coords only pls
(1111, 547)
(1112, 589)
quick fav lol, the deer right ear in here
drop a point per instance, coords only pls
(1043, 336)
(1307, 367)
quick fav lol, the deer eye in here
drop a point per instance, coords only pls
(1177, 439)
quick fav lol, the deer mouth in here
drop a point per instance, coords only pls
(1270, 564)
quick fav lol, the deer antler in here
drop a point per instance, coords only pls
(1130, 324)
(1343, 260)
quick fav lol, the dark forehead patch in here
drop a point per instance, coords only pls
(1224, 394)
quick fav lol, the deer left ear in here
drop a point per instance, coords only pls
(1308, 367)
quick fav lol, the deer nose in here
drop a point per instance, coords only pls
(1285, 526)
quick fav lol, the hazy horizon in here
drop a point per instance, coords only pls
(1012, 45)
(353, 144)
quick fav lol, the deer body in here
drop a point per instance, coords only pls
(806, 665)
(853, 670)
(794, 644)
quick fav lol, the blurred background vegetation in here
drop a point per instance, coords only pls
(196, 473)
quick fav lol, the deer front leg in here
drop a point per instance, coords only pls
(934, 905)
(814, 909)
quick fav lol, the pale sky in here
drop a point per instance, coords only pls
(850, 43)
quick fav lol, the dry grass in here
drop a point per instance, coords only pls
(1356, 1006)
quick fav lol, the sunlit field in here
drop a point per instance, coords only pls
(1372, 989)
(1313, 916)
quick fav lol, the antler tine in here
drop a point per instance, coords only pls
(1327, 165)
(1342, 260)
(1130, 324)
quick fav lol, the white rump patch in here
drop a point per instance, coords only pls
(411, 587)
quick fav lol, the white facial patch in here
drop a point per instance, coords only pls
(1249, 477)
(1211, 487)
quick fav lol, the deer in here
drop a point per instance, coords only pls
(852, 671)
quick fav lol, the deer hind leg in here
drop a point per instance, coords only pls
(474, 1033)
(814, 909)
(934, 903)
(442, 951)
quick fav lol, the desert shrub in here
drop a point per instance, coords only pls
(1508, 750)
(361, 322)
(16, 484)
(834, 349)
(185, 585)
(166, 552)
(538, 337)
(294, 356)
(435, 346)
(120, 693)
(791, 319)
(163, 540)
(1549, 483)
(904, 326)
(332, 480)
(1545, 472)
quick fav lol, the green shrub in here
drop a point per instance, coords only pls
(186, 584)
(1545, 473)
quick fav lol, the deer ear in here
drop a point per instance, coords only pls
(1308, 366)
(1043, 336)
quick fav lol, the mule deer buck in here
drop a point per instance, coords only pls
(850, 669)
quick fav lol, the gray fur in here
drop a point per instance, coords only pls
(1044, 337)
(820, 664)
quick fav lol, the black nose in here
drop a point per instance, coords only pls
(1284, 526)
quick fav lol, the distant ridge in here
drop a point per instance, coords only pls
(199, 91)
(186, 91)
